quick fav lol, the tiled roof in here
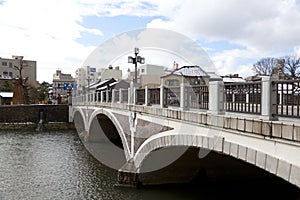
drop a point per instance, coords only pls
(189, 71)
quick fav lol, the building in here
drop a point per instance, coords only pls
(62, 84)
(148, 75)
(80, 78)
(109, 73)
(233, 78)
(191, 75)
(9, 71)
(6, 98)
(196, 95)
(89, 75)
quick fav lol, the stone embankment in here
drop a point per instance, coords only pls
(27, 117)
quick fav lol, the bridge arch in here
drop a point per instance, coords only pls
(79, 120)
(262, 160)
(109, 115)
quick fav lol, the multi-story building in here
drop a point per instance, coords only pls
(62, 84)
(148, 75)
(89, 76)
(80, 78)
(8, 69)
(110, 72)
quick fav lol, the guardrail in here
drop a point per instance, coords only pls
(267, 98)
(288, 98)
(243, 97)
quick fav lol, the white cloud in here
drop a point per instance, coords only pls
(263, 28)
(297, 51)
(158, 46)
(47, 31)
(259, 24)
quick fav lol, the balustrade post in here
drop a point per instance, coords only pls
(113, 95)
(134, 95)
(102, 96)
(120, 95)
(162, 96)
(216, 97)
(96, 96)
(182, 97)
(107, 96)
(129, 96)
(268, 99)
(147, 96)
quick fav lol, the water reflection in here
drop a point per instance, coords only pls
(55, 165)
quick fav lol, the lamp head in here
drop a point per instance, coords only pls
(130, 59)
(142, 60)
(136, 50)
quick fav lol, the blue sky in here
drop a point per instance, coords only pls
(62, 34)
(110, 26)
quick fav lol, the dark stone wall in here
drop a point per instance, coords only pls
(31, 113)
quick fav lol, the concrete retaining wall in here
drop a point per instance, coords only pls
(31, 113)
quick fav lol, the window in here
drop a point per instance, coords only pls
(4, 63)
(172, 82)
(143, 70)
(10, 65)
(5, 74)
(10, 74)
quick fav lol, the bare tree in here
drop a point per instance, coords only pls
(19, 66)
(265, 66)
(291, 66)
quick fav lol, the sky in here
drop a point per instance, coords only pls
(61, 34)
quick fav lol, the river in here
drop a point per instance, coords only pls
(56, 165)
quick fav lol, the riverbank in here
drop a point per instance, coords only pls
(29, 126)
(35, 117)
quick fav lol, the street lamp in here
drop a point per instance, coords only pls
(135, 60)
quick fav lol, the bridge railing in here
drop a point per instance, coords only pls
(116, 95)
(197, 96)
(154, 96)
(140, 96)
(287, 98)
(243, 97)
(171, 96)
(268, 98)
(124, 95)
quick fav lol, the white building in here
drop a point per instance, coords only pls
(110, 72)
(151, 70)
(8, 71)
(149, 75)
(61, 83)
(89, 75)
(80, 78)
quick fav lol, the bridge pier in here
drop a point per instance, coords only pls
(128, 175)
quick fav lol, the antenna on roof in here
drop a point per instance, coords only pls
(175, 65)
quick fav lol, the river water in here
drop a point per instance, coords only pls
(56, 165)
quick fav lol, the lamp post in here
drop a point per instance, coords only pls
(132, 115)
(135, 60)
